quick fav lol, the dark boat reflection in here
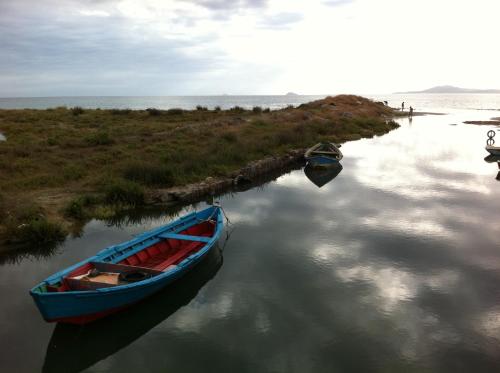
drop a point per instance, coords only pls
(494, 159)
(322, 176)
(74, 348)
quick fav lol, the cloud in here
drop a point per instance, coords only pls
(229, 5)
(125, 47)
(221, 46)
(281, 21)
(337, 2)
(93, 51)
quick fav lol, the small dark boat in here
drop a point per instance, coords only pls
(322, 176)
(122, 275)
(324, 154)
(493, 150)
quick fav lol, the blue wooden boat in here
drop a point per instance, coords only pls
(324, 154)
(124, 274)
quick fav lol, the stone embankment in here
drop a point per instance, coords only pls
(214, 186)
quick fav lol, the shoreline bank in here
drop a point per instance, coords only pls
(66, 166)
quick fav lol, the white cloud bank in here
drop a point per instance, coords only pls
(132, 47)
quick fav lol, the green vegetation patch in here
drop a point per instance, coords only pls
(99, 138)
(78, 208)
(123, 192)
(28, 225)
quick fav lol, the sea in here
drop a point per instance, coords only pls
(420, 102)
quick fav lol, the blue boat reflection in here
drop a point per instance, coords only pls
(322, 176)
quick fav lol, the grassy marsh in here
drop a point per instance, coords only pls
(69, 163)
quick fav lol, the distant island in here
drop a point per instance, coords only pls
(291, 94)
(452, 89)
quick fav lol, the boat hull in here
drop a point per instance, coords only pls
(322, 161)
(83, 306)
(493, 150)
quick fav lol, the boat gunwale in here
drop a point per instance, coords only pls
(335, 156)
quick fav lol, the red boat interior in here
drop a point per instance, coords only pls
(151, 260)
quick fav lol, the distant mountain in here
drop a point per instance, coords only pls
(451, 89)
(291, 94)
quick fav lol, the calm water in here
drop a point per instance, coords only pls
(392, 266)
(421, 102)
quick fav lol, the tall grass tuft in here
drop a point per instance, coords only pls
(99, 138)
(73, 172)
(237, 109)
(3, 208)
(124, 192)
(77, 208)
(28, 225)
(40, 232)
(77, 110)
(150, 174)
(120, 111)
(175, 111)
(153, 112)
(229, 137)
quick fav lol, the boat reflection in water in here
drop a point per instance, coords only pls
(322, 176)
(73, 348)
(494, 159)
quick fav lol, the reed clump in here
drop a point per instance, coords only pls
(77, 110)
(26, 224)
(99, 138)
(175, 111)
(3, 208)
(120, 111)
(123, 192)
(79, 207)
(153, 112)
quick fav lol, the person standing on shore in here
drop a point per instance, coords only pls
(411, 112)
(403, 106)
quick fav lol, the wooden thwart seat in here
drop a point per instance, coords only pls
(109, 277)
(184, 237)
(122, 268)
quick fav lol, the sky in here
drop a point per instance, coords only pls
(205, 47)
